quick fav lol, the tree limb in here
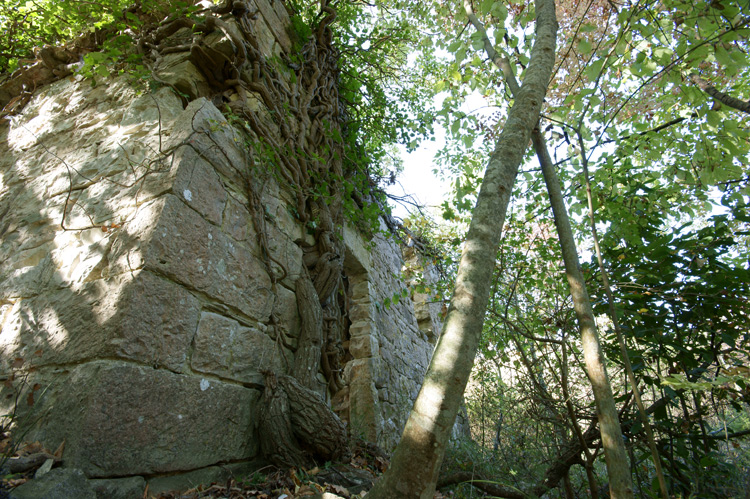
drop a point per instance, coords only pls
(722, 97)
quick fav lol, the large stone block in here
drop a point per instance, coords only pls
(177, 70)
(286, 261)
(287, 316)
(160, 107)
(358, 259)
(60, 483)
(278, 22)
(237, 221)
(365, 418)
(120, 419)
(225, 348)
(141, 317)
(119, 488)
(364, 346)
(205, 476)
(200, 256)
(28, 273)
(198, 184)
(203, 128)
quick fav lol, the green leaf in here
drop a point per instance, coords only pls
(584, 47)
(593, 69)
(588, 28)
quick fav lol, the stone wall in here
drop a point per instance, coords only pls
(137, 307)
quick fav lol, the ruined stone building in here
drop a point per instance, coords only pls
(158, 252)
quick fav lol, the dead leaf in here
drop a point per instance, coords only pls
(17, 363)
(342, 491)
(305, 491)
(295, 479)
(30, 448)
(58, 453)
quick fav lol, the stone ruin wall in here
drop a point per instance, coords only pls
(134, 297)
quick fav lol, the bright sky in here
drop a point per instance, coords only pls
(418, 179)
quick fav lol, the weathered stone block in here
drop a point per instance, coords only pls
(361, 327)
(287, 256)
(364, 346)
(119, 419)
(361, 311)
(200, 256)
(225, 348)
(118, 488)
(237, 221)
(362, 291)
(278, 25)
(277, 207)
(27, 273)
(369, 369)
(60, 483)
(160, 107)
(198, 185)
(177, 70)
(190, 480)
(358, 258)
(287, 315)
(205, 129)
(365, 419)
(140, 317)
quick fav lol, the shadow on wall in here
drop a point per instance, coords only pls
(132, 349)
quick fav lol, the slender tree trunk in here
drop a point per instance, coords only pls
(614, 449)
(618, 331)
(416, 461)
(618, 470)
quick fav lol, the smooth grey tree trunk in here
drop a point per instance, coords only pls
(416, 461)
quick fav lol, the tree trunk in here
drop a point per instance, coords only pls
(417, 458)
(609, 422)
(614, 448)
(307, 357)
(297, 425)
(618, 331)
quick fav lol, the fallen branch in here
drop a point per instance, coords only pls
(483, 484)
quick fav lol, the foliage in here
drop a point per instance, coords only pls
(668, 166)
(26, 25)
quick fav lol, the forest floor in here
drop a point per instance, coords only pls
(350, 480)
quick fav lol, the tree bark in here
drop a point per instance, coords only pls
(722, 97)
(297, 425)
(618, 331)
(484, 484)
(618, 470)
(417, 458)
(307, 357)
